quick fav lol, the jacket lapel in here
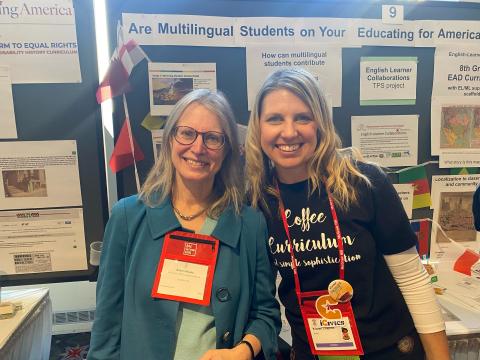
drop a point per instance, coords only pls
(228, 228)
(161, 219)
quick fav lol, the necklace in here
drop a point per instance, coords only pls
(188, 217)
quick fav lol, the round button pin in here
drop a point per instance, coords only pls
(340, 290)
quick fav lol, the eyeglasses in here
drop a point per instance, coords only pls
(186, 135)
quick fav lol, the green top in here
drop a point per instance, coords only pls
(195, 323)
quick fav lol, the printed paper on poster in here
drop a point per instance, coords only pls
(199, 30)
(157, 139)
(455, 131)
(8, 129)
(169, 82)
(455, 124)
(390, 140)
(39, 174)
(442, 182)
(39, 41)
(459, 158)
(453, 212)
(242, 135)
(457, 72)
(388, 80)
(36, 241)
(405, 192)
(324, 62)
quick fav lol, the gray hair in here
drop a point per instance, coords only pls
(227, 187)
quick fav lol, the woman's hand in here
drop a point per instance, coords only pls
(237, 353)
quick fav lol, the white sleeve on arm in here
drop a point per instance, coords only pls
(414, 283)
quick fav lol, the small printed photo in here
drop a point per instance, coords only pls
(475, 141)
(455, 217)
(24, 183)
(169, 91)
(460, 127)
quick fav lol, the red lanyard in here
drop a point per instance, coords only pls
(292, 255)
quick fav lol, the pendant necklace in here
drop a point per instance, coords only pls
(188, 217)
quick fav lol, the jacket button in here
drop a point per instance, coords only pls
(223, 294)
(226, 336)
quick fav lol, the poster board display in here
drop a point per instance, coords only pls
(53, 198)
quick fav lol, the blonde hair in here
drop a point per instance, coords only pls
(227, 186)
(329, 162)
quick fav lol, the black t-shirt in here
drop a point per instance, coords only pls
(377, 225)
(476, 208)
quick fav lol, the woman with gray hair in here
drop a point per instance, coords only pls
(352, 282)
(184, 272)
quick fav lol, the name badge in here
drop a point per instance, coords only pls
(186, 267)
(330, 325)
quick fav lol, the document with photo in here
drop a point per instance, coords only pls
(455, 124)
(169, 82)
(39, 174)
(442, 182)
(453, 212)
(455, 131)
(48, 240)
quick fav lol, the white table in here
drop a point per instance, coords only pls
(27, 335)
(462, 302)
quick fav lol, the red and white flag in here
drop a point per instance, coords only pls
(126, 151)
(125, 57)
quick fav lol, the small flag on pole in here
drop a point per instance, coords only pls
(122, 155)
(114, 83)
(125, 57)
(421, 192)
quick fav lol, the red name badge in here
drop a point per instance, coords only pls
(330, 325)
(186, 267)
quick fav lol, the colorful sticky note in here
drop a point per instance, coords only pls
(153, 122)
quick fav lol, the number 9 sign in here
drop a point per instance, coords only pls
(392, 14)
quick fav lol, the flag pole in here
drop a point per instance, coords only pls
(130, 138)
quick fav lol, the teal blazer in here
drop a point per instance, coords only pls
(130, 324)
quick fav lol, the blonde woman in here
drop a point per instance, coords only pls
(194, 186)
(303, 181)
